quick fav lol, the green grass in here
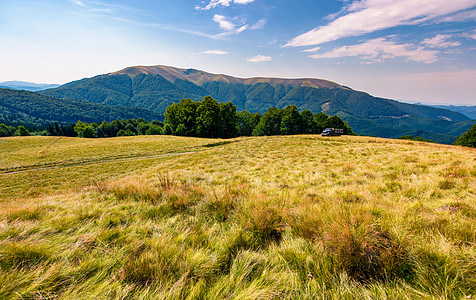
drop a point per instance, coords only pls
(269, 217)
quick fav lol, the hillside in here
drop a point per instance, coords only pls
(469, 111)
(33, 108)
(294, 217)
(157, 87)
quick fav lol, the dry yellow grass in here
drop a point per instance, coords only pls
(262, 217)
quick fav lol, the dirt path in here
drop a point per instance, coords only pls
(58, 165)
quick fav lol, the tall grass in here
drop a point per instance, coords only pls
(260, 218)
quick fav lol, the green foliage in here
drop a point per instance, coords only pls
(6, 130)
(153, 130)
(85, 130)
(209, 122)
(269, 124)
(21, 131)
(246, 122)
(468, 138)
(291, 122)
(168, 129)
(183, 113)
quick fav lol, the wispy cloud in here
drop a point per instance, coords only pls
(215, 3)
(229, 26)
(103, 10)
(164, 27)
(315, 49)
(77, 2)
(214, 52)
(440, 41)
(380, 49)
(470, 35)
(365, 16)
(468, 15)
(259, 58)
(259, 25)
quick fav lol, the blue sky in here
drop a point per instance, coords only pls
(413, 50)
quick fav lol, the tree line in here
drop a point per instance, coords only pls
(207, 118)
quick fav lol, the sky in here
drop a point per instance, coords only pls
(410, 50)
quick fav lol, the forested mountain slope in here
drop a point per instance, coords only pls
(30, 107)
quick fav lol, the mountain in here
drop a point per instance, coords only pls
(469, 111)
(157, 87)
(27, 86)
(34, 108)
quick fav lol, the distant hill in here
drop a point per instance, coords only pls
(469, 111)
(157, 87)
(27, 86)
(33, 108)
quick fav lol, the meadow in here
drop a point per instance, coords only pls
(284, 217)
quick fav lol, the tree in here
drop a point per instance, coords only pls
(184, 112)
(6, 130)
(291, 122)
(209, 121)
(468, 138)
(335, 122)
(154, 130)
(229, 118)
(307, 122)
(180, 130)
(21, 131)
(142, 127)
(131, 128)
(269, 124)
(320, 120)
(246, 122)
(85, 130)
(168, 129)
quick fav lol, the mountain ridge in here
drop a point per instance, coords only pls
(27, 86)
(199, 77)
(146, 87)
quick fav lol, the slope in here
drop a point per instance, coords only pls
(31, 107)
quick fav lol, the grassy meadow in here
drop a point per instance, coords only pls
(288, 217)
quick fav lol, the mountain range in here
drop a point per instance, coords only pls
(156, 87)
(26, 86)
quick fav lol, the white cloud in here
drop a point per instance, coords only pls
(214, 52)
(315, 49)
(78, 2)
(365, 16)
(215, 3)
(380, 49)
(440, 41)
(223, 22)
(259, 25)
(259, 58)
(243, 1)
(228, 25)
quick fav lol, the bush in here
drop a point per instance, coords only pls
(468, 138)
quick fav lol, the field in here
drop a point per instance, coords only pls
(288, 217)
